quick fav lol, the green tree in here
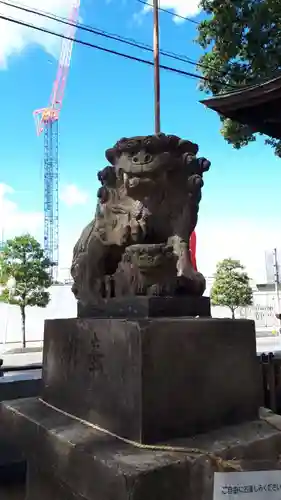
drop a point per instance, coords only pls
(231, 286)
(3, 276)
(242, 43)
(24, 261)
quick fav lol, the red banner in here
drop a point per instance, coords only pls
(192, 247)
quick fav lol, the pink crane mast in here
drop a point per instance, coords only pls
(46, 120)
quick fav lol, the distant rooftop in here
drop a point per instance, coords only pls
(257, 106)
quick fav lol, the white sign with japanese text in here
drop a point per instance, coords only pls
(254, 485)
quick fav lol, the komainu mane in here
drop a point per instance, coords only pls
(138, 242)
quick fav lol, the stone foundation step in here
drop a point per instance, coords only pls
(70, 460)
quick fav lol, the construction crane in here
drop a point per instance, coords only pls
(46, 120)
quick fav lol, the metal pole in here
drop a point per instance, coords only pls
(276, 281)
(156, 66)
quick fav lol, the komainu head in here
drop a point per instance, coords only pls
(142, 160)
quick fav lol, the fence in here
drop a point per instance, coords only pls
(270, 365)
(262, 311)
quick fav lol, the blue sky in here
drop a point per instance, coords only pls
(108, 97)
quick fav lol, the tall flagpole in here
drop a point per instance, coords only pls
(156, 66)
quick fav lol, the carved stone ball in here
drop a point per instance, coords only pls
(147, 270)
(151, 257)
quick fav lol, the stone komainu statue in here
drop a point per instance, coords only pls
(147, 209)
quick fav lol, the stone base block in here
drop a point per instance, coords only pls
(152, 380)
(45, 486)
(80, 463)
(148, 307)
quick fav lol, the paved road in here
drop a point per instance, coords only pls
(21, 359)
(271, 332)
(269, 344)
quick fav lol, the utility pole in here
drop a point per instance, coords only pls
(276, 282)
(156, 65)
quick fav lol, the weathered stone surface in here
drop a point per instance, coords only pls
(151, 380)
(13, 386)
(45, 486)
(20, 385)
(93, 466)
(138, 242)
(148, 307)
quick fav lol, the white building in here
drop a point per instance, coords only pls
(262, 311)
(63, 305)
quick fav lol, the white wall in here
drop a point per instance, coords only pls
(262, 311)
(62, 305)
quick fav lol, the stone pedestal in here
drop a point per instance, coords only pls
(148, 307)
(184, 382)
(45, 486)
(152, 380)
(70, 461)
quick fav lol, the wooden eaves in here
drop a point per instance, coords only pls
(258, 106)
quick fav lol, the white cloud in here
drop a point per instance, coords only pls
(185, 8)
(15, 38)
(71, 195)
(12, 220)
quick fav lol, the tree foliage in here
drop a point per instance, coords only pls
(3, 275)
(24, 261)
(242, 40)
(231, 286)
